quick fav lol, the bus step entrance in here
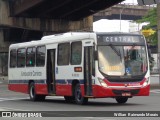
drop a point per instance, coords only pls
(51, 94)
(51, 83)
(89, 96)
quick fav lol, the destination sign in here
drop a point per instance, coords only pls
(120, 39)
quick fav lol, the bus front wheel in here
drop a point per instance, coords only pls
(79, 99)
(121, 100)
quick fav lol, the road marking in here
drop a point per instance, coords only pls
(12, 109)
(97, 118)
(155, 91)
(48, 97)
(1, 109)
(7, 99)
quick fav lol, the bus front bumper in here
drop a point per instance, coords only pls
(101, 92)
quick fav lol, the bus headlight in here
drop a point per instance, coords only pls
(146, 82)
(102, 82)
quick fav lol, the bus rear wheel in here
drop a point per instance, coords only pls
(79, 99)
(121, 100)
(32, 94)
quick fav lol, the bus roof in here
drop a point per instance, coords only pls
(64, 37)
(57, 38)
(68, 34)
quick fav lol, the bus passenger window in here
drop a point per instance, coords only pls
(76, 53)
(63, 54)
(21, 57)
(40, 56)
(30, 57)
(13, 58)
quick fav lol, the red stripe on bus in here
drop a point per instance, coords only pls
(41, 89)
(23, 88)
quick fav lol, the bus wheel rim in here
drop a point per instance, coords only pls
(32, 92)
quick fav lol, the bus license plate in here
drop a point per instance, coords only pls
(126, 94)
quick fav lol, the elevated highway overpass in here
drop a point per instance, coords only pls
(58, 9)
(127, 11)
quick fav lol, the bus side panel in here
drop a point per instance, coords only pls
(41, 89)
(64, 90)
(23, 88)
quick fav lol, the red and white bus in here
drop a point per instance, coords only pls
(81, 65)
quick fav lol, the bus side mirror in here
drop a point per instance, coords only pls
(95, 55)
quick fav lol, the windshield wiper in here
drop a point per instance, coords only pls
(116, 51)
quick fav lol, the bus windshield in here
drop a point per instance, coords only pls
(122, 60)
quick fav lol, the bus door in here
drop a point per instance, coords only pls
(88, 70)
(51, 84)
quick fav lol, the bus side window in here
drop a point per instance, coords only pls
(13, 58)
(76, 53)
(63, 54)
(40, 55)
(21, 53)
(30, 56)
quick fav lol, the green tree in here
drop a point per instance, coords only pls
(151, 18)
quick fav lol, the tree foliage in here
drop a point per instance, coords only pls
(151, 18)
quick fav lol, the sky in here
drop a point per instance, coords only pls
(105, 25)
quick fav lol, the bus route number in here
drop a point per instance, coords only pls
(75, 75)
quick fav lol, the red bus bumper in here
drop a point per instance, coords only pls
(101, 92)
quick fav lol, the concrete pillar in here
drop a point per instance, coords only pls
(3, 55)
(3, 45)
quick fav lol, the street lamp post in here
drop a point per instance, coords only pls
(120, 16)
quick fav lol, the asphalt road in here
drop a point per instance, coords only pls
(12, 101)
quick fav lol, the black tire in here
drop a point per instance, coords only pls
(69, 99)
(78, 96)
(41, 97)
(121, 100)
(32, 94)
